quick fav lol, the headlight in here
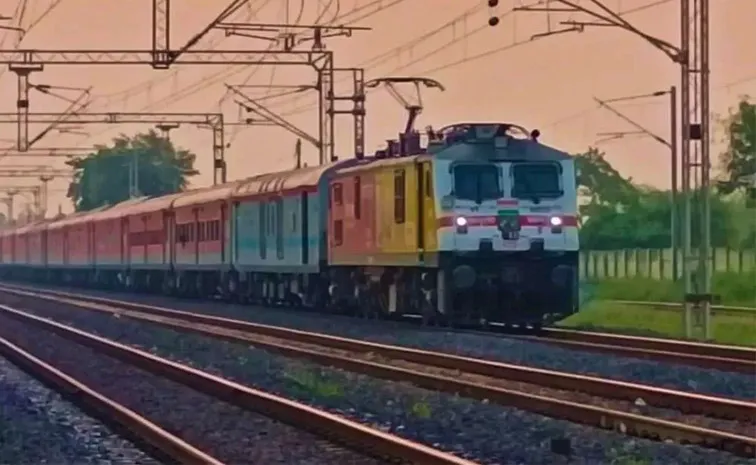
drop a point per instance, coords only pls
(555, 221)
(461, 221)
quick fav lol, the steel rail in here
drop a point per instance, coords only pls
(710, 356)
(626, 423)
(359, 437)
(747, 354)
(728, 310)
(686, 402)
(146, 435)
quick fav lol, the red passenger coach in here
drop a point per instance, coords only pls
(147, 229)
(110, 241)
(20, 246)
(70, 246)
(34, 239)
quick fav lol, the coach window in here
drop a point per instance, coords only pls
(357, 198)
(399, 196)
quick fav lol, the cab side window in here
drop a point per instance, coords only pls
(399, 196)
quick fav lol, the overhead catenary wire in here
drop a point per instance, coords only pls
(220, 76)
(146, 85)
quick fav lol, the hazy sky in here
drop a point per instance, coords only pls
(547, 83)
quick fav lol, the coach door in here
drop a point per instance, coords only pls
(420, 173)
(222, 231)
(124, 241)
(263, 220)
(64, 233)
(279, 228)
(305, 228)
(91, 243)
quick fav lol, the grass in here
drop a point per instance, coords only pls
(736, 289)
(314, 384)
(598, 315)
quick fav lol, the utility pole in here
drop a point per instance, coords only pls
(298, 154)
(326, 75)
(13, 192)
(670, 143)
(692, 56)
(43, 194)
(42, 172)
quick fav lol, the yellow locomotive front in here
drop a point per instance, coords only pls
(506, 229)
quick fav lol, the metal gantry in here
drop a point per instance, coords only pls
(692, 56)
(24, 62)
(213, 121)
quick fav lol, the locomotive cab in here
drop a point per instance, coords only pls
(508, 239)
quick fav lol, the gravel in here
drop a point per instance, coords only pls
(37, 426)
(673, 376)
(228, 433)
(488, 433)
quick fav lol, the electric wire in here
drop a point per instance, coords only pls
(217, 77)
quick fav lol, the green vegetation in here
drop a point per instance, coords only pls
(735, 289)
(313, 383)
(625, 229)
(642, 321)
(619, 214)
(421, 410)
(102, 178)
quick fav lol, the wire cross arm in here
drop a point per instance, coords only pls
(605, 17)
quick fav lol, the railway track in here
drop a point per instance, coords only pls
(712, 356)
(470, 377)
(704, 355)
(146, 435)
(367, 441)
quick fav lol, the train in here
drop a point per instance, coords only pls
(478, 225)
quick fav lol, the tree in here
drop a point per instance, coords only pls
(619, 214)
(102, 178)
(739, 159)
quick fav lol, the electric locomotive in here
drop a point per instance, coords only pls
(478, 227)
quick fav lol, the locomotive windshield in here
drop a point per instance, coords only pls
(477, 182)
(536, 181)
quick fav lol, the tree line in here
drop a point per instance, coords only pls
(615, 211)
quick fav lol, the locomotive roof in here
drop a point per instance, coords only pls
(205, 195)
(373, 162)
(287, 180)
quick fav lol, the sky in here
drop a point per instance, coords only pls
(489, 74)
